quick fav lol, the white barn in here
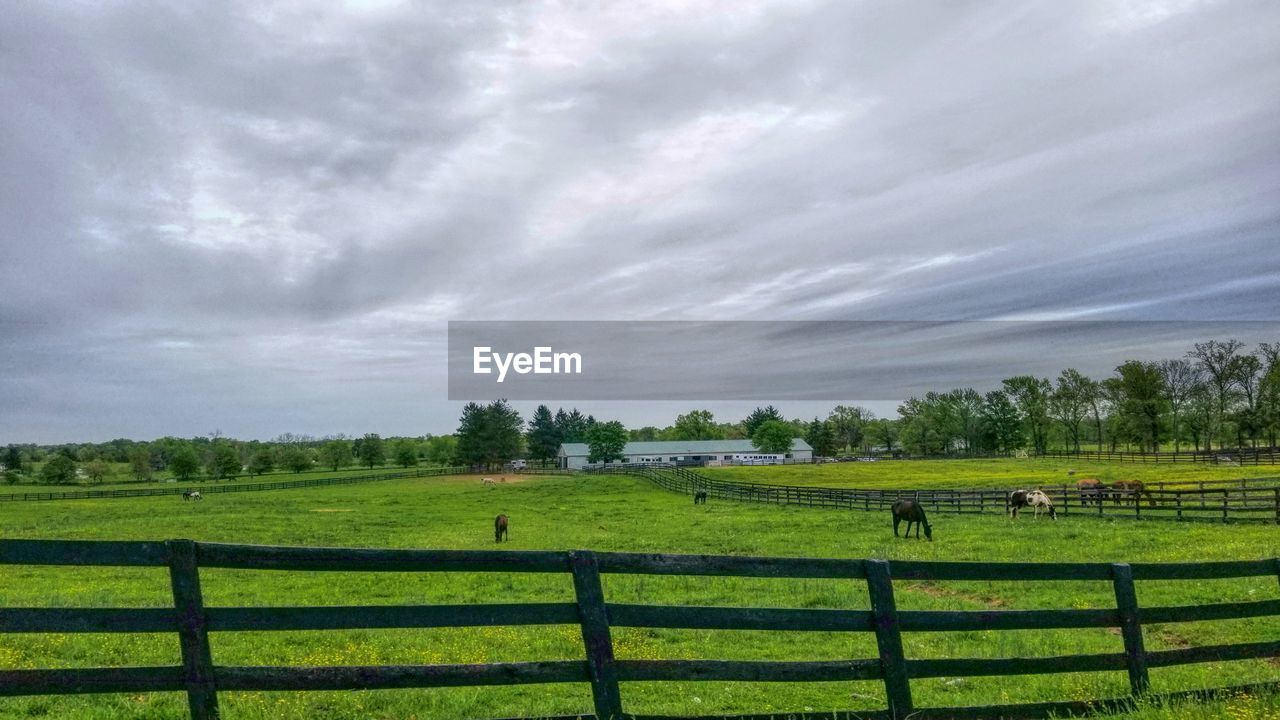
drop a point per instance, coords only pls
(573, 456)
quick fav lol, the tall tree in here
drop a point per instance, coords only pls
(184, 463)
(224, 461)
(372, 450)
(13, 459)
(758, 417)
(696, 425)
(543, 438)
(1140, 388)
(406, 453)
(296, 458)
(1179, 379)
(489, 434)
(336, 454)
(1218, 360)
(442, 450)
(571, 426)
(884, 431)
(1031, 396)
(1069, 404)
(263, 461)
(140, 463)
(821, 438)
(849, 424)
(606, 441)
(1001, 423)
(773, 437)
(59, 470)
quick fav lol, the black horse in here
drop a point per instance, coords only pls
(912, 512)
(499, 528)
(700, 497)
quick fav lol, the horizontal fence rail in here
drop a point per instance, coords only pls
(180, 488)
(1241, 500)
(1225, 456)
(202, 678)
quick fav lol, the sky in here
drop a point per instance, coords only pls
(259, 218)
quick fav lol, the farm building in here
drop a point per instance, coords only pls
(573, 456)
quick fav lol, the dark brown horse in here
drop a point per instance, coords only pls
(912, 512)
(499, 528)
(700, 497)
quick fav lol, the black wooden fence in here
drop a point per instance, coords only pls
(1242, 500)
(1227, 456)
(202, 679)
(180, 488)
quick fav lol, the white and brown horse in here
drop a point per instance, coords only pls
(1035, 499)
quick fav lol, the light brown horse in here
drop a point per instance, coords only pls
(1122, 490)
(1092, 490)
(499, 528)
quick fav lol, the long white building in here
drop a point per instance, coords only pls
(573, 456)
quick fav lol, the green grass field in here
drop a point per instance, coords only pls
(993, 473)
(120, 481)
(623, 514)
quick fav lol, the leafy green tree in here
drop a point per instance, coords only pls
(1069, 403)
(262, 462)
(1001, 425)
(1031, 396)
(1140, 389)
(647, 433)
(543, 437)
(184, 463)
(96, 470)
(758, 417)
(405, 453)
(1219, 362)
(884, 431)
(442, 450)
(59, 470)
(11, 477)
(773, 436)
(571, 426)
(1179, 380)
(336, 454)
(140, 463)
(696, 425)
(849, 423)
(489, 434)
(821, 438)
(224, 461)
(606, 441)
(13, 459)
(372, 451)
(295, 458)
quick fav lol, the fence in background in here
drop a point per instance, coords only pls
(202, 679)
(1231, 457)
(1248, 499)
(180, 488)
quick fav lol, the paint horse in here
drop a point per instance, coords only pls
(1034, 499)
(192, 495)
(913, 512)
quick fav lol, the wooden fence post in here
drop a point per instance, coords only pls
(193, 634)
(1130, 626)
(893, 663)
(595, 634)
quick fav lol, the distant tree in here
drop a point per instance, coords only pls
(773, 436)
(224, 461)
(442, 450)
(758, 417)
(296, 458)
(1140, 390)
(696, 425)
(571, 426)
(1031, 396)
(1000, 422)
(647, 433)
(1069, 403)
(489, 434)
(336, 454)
(821, 438)
(606, 441)
(262, 462)
(405, 453)
(543, 438)
(13, 459)
(1179, 380)
(96, 470)
(1218, 360)
(372, 451)
(59, 470)
(11, 477)
(883, 431)
(184, 463)
(140, 463)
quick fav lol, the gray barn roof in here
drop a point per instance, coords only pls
(680, 447)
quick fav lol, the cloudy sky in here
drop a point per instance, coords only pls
(260, 218)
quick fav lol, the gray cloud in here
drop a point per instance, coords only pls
(259, 219)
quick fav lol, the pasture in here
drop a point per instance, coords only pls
(624, 514)
(982, 473)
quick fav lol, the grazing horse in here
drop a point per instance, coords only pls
(1092, 490)
(700, 497)
(1034, 499)
(192, 495)
(499, 528)
(1121, 490)
(487, 481)
(913, 512)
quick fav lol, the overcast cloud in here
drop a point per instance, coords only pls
(260, 219)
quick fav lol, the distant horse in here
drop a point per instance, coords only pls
(1092, 490)
(913, 512)
(1034, 499)
(192, 495)
(1123, 490)
(499, 528)
(700, 497)
(487, 481)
